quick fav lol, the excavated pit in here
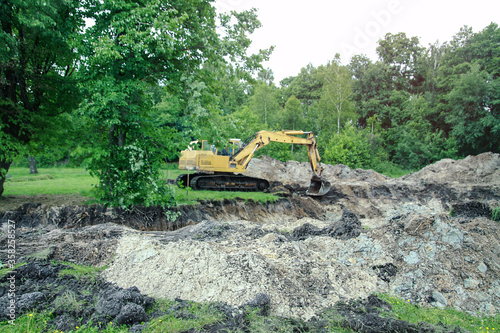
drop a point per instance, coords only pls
(429, 237)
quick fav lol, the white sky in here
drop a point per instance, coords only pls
(313, 31)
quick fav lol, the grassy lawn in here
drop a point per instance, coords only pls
(49, 181)
(58, 184)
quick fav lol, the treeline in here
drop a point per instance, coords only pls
(412, 107)
(122, 86)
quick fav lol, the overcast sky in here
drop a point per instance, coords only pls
(312, 31)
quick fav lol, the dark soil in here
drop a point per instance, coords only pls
(85, 300)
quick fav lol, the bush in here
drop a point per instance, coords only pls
(130, 175)
(349, 147)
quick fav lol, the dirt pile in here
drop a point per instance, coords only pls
(429, 239)
(296, 173)
(42, 286)
(483, 168)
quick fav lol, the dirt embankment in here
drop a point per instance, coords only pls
(428, 237)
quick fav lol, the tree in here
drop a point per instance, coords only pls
(474, 115)
(404, 56)
(135, 46)
(292, 116)
(336, 95)
(349, 147)
(264, 104)
(37, 71)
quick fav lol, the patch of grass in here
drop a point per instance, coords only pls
(30, 322)
(34, 322)
(185, 197)
(32, 178)
(404, 310)
(65, 181)
(5, 270)
(392, 170)
(49, 181)
(194, 317)
(68, 301)
(495, 214)
(81, 271)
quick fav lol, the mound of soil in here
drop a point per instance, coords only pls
(425, 237)
(483, 168)
(76, 302)
(73, 301)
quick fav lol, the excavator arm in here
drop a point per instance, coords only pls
(319, 185)
(263, 138)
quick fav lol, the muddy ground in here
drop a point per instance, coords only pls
(428, 237)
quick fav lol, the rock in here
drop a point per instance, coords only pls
(471, 210)
(130, 314)
(29, 301)
(412, 258)
(348, 226)
(261, 302)
(137, 328)
(437, 299)
(482, 267)
(386, 272)
(112, 300)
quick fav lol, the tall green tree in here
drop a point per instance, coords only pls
(136, 45)
(475, 116)
(264, 104)
(292, 116)
(37, 71)
(336, 96)
(404, 57)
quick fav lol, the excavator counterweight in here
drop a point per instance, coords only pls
(223, 170)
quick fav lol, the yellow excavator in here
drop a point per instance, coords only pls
(223, 170)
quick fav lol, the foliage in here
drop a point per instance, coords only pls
(81, 271)
(415, 144)
(37, 62)
(495, 214)
(335, 102)
(350, 147)
(176, 52)
(129, 176)
(475, 116)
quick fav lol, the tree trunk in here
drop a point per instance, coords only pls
(33, 169)
(4, 168)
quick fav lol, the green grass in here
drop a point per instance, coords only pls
(404, 310)
(81, 271)
(197, 316)
(4, 269)
(77, 180)
(34, 322)
(495, 214)
(49, 181)
(185, 197)
(392, 170)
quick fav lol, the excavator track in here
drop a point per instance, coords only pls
(223, 182)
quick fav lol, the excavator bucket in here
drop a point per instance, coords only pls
(319, 186)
